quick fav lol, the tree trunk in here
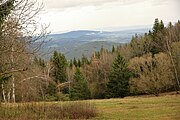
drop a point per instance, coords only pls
(13, 79)
(3, 93)
(13, 89)
(9, 95)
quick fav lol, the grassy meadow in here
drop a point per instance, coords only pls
(166, 107)
(140, 108)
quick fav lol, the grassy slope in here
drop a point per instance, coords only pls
(140, 108)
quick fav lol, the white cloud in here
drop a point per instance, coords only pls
(49, 4)
(66, 15)
(73, 3)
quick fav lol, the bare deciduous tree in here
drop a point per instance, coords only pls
(152, 74)
(21, 37)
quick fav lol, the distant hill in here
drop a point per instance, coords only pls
(88, 48)
(75, 43)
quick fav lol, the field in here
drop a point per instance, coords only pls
(140, 108)
(166, 107)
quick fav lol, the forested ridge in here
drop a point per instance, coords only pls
(149, 64)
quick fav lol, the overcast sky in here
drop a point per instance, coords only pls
(67, 15)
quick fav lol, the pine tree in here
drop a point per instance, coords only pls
(75, 62)
(156, 26)
(51, 92)
(60, 63)
(170, 25)
(79, 63)
(161, 25)
(113, 49)
(79, 90)
(84, 60)
(157, 34)
(118, 85)
(71, 63)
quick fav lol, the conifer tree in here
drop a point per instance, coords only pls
(158, 42)
(60, 64)
(113, 49)
(75, 62)
(118, 85)
(79, 90)
(170, 25)
(71, 63)
(84, 60)
(51, 91)
(79, 63)
(156, 26)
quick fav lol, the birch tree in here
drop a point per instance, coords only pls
(19, 33)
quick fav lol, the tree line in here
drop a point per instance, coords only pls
(149, 64)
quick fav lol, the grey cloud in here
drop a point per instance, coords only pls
(79, 3)
(61, 4)
(74, 3)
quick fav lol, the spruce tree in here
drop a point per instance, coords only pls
(157, 34)
(84, 60)
(79, 90)
(170, 25)
(79, 63)
(118, 85)
(60, 63)
(59, 69)
(75, 62)
(113, 49)
(71, 63)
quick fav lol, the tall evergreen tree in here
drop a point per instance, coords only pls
(158, 43)
(113, 49)
(170, 25)
(79, 90)
(75, 62)
(71, 63)
(60, 63)
(156, 26)
(84, 60)
(118, 85)
(79, 63)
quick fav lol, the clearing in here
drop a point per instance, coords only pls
(165, 107)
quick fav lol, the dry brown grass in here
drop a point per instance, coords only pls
(47, 111)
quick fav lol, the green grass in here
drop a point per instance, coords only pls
(140, 108)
